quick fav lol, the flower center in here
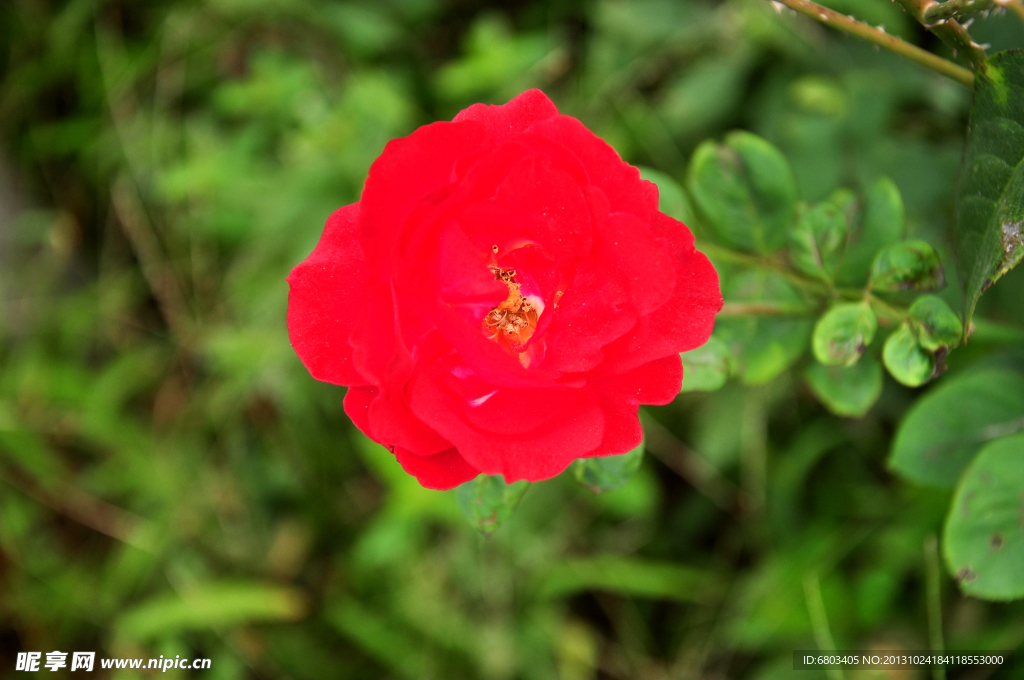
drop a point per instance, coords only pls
(512, 323)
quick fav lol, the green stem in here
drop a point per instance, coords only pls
(948, 30)
(882, 39)
(731, 309)
(816, 286)
(884, 309)
(954, 9)
(1015, 6)
(934, 588)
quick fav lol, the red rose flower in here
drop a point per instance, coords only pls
(502, 298)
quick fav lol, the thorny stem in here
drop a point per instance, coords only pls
(1015, 6)
(954, 9)
(948, 30)
(799, 280)
(880, 38)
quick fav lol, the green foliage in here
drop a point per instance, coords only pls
(984, 539)
(746, 190)
(706, 368)
(990, 193)
(943, 431)
(905, 358)
(818, 238)
(608, 473)
(487, 501)
(909, 265)
(172, 481)
(937, 326)
(880, 222)
(843, 333)
(847, 390)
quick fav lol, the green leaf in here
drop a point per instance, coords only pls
(488, 502)
(937, 326)
(672, 199)
(764, 346)
(846, 390)
(881, 223)
(943, 430)
(910, 265)
(608, 473)
(984, 537)
(990, 192)
(746, 190)
(640, 578)
(706, 368)
(842, 334)
(817, 240)
(906, 360)
(213, 606)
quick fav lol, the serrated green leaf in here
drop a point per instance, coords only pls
(990, 192)
(818, 238)
(746, 190)
(488, 502)
(905, 359)
(672, 199)
(843, 333)
(909, 265)
(706, 368)
(608, 473)
(984, 537)
(937, 326)
(881, 222)
(944, 429)
(846, 390)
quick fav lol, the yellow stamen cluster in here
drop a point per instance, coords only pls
(512, 323)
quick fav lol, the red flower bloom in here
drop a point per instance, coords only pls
(502, 298)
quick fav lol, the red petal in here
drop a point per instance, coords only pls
(592, 313)
(357, 404)
(557, 426)
(407, 171)
(619, 181)
(507, 120)
(622, 431)
(626, 242)
(657, 382)
(326, 292)
(442, 471)
(686, 320)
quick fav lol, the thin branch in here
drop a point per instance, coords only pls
(155, 268)
(87, 510)
(880, 38)
(1015, 6)
(730, 309)
(690, 465)
(948, 31)
(954, 9)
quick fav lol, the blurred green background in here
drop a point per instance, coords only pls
(173, 482)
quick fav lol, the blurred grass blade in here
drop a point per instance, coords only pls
(378, 637)
(212, 606)
(629, 576)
